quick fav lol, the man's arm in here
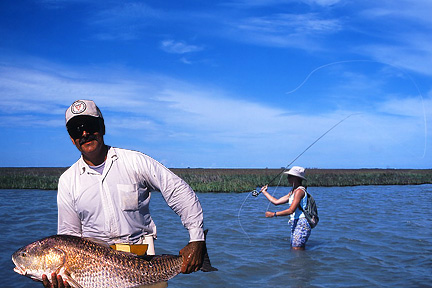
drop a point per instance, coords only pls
(184, 202)
(179, 196)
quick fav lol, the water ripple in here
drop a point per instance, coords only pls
(371, 236)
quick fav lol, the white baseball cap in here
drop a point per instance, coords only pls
(83, 108)
(296, 171)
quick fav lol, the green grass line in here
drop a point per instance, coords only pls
(233, 180)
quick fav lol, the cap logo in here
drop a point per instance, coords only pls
(78, 107)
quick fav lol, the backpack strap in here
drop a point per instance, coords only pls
(306, 193)
(302, 188)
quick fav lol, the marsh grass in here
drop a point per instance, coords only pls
(29, 178)
(242, 180)
(234, 180)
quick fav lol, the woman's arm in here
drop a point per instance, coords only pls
(299, 194)
(275, 201)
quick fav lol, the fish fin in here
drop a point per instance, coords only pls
(73, 283)
(206, 266)
(68, 278)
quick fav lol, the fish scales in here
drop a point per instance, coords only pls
(84, 263)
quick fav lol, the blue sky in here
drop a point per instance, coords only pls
(221, 84)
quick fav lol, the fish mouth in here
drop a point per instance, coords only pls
(19, 270)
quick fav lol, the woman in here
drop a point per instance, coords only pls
(300, 228)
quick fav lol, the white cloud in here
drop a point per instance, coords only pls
(413, 11)
(322, 2)
(411, 56)
(128, 12)
(167, 110)
(179, 47)
(160, 105)
(123, 21)
(284, 30)
(258, 3)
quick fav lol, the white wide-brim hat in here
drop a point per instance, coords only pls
(297, 171)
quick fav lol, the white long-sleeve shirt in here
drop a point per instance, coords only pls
(114, 206)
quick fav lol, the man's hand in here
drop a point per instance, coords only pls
(193, 255)
(56, 281)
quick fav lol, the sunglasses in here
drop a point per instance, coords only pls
(90, 125)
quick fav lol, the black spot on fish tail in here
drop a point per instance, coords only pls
(206, 266)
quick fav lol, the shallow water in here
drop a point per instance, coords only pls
(368, 236)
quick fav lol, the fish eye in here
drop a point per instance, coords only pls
(23, 254)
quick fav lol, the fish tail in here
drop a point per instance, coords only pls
(206, 266)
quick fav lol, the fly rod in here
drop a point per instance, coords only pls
(256, 192)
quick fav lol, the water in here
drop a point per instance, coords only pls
(369, 236)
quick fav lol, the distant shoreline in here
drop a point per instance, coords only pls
(232, 180)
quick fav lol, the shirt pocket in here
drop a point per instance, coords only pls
(128, 196)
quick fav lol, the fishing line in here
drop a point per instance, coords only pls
(256, 192)
(323, 66)
(301, 85)
(382, 63)
(238, 217)
(313, 143)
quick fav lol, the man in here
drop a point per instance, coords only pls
(106, 193)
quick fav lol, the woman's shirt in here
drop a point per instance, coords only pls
(298, 213)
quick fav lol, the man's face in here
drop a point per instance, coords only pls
(86, 133)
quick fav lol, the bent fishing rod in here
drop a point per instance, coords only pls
(255, 193)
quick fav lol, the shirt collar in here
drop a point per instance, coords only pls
(111, 157)
(112, 154)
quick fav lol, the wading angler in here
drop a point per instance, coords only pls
(298, 200)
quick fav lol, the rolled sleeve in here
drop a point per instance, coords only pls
(196, 234)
